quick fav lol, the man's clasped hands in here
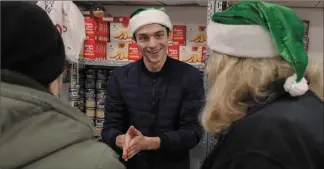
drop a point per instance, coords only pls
(134, 141)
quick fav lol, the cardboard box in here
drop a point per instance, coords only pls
(89, 49)
(119, 31)
(134, 52)
(94, 50)
(117, 51)
(191, 54)
(90, 28)
(102, 33)
(179, 35)
(100, 50)
(173, 51)
(196, 35)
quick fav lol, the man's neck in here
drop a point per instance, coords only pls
(154, 67)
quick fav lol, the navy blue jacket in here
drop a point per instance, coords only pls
(164, 104)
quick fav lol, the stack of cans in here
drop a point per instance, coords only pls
(90, 93)
(81, 91)
(101, 85)
(73, 96)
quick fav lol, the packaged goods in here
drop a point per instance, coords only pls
(173, 51)
(117, 51)
(179, 35)
(191, 54)
(134, 52)
(196, 35)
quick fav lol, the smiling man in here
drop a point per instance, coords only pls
(152, 105)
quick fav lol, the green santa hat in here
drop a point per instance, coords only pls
(145, 16)
(262, 30)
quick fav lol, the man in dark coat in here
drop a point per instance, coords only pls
(156, 99)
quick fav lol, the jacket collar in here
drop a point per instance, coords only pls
(17, 78)
(164, 70)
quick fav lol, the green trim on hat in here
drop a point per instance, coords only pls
(284, 25)
(139, 10)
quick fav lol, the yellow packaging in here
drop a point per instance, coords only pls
(119, 32)
(196, 35)
(191, 54)
(117, 51)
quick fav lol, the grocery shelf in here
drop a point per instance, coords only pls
(118, 63)
(109, 63)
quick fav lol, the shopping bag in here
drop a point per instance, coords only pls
(69, 20)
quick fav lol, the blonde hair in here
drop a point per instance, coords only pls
(233, 78)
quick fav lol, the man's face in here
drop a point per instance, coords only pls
(152, 40)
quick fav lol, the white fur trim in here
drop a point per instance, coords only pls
(251, 41)
(148, 17)
(294, 88)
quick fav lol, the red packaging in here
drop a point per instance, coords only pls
(100, 50)
(89, 49)
(203, 53)
(173, 51)
(179, 35)
(90, 28)
(134, 52)
(102, 31)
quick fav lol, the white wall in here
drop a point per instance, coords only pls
(185, 15)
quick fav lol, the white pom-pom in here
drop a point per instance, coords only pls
(294, 88)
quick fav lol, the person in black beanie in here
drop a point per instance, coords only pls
(37, 130)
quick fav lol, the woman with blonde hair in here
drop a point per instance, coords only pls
(264, 100)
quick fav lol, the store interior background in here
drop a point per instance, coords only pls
(312, 11)
(198, 15)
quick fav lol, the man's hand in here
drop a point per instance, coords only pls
(120, 141)
(138, 143)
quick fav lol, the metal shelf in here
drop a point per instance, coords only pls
(113, 63)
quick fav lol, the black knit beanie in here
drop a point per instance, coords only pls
(30, 43)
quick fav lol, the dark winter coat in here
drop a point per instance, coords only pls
(284, 133)
(164, 104)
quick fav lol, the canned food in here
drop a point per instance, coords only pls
(92, 121)
(100, 103)
(90, 103)
(102, 74)
(100, 113)
(90, 93)
(91, 112)
(90, 83)
(101, 84)
(90, 73)
(101, 94)
(73, 93)
(74, 103)
(73, 83)
(74, 73)
(99, 122)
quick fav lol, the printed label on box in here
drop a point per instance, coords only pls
(100, 50)
(134, 52)
(120, 32)
(102, 31)
(89, 49)
(191, 54)
(90, 28)
(117, 51)
(179, 35)
(173, 51)
(196, 35)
